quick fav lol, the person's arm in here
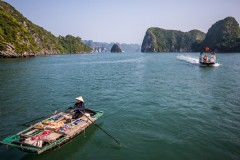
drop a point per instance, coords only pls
(74, 106)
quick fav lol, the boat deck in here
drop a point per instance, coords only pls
(51, 132)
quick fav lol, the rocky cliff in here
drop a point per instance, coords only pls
(116, 49)
(223, 36)
(161, 40)
(19, 37)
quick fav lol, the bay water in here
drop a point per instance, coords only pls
(158, 105)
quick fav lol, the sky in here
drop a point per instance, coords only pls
(124, 21)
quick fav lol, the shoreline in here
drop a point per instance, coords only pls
(13, 56)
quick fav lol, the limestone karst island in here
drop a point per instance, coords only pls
(223, 36)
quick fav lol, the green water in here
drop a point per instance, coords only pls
(159, 106)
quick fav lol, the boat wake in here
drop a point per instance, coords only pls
(190, 59)
(193, 60)
(216, 65)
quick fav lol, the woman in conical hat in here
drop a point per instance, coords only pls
(79, 99)
(79, 107)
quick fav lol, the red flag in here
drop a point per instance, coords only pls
(207, 49)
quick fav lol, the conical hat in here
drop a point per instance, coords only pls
(79, 99)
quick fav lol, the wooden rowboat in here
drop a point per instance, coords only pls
(52, 132)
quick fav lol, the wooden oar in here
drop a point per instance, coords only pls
(101, 129)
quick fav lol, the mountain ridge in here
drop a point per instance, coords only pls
(106, 47)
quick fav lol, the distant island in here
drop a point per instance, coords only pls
(116, 49)
(19, 37)
(223, 36)
(106, 47)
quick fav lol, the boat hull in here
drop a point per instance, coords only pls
(207, 64)
(15, 140)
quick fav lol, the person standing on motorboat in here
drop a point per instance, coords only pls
(213, 57)
(205, 58)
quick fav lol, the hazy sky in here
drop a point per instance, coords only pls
(124, 21)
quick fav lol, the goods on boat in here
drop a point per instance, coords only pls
(52, 132)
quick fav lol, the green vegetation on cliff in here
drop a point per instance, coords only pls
(223, 36)
(13, 31)
(73, 44)
(161, 40)
(20, 37)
